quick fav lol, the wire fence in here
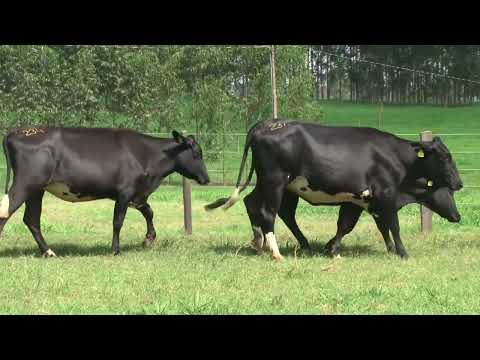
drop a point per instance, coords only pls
(223, 161)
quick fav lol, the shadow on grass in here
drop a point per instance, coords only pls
(62, 250)
(289, 250)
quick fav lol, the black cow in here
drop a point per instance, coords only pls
(358, 168)
(79, 164)
(439, 200)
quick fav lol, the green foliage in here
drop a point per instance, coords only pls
(209, 113)
(209, 88)
(295, 81)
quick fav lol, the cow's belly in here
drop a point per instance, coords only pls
(301, 187)
(63, 191)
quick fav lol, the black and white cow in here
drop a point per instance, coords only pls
(79, 164)
(358, 168)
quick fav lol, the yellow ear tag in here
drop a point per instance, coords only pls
(430, 183)
(421, 154)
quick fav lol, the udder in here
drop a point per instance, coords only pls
(301, 187)
(62, 191)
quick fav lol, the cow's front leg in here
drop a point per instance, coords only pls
(384, 230)
(287, 212)
(392, 221)
(347, 219)
(121, 206)
(147, 213)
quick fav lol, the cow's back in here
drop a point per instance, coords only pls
(90, 161)
(332, 158)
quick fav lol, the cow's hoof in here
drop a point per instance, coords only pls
(330, 252)
(148, 242)
(391, 250)
(403, 256)
(49, 253)
(266, 248)
(116, 253)
(306, 251)
(257, 248)
(278, 257)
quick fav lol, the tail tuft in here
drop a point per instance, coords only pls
(226, 202)
(216, 204)
(232, 200)
(4, 205)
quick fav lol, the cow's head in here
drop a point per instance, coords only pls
(189, 160)
(437, 164)
(441, 201)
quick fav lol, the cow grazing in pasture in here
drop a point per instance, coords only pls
(80, 164)
(357, 168)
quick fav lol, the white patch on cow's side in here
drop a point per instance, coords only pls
(4, 207)
(62, 191)
(300, 186)
(271, 242)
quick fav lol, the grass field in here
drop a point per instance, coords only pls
(214, 271)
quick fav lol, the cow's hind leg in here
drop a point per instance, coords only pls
(119, 212)
(17, 195)
(347, 219)
(272, 194)
(287, 214)
(31, 218)
(252, 203)
(147, 213)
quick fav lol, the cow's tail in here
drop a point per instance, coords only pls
(4, 205)
(226, 203)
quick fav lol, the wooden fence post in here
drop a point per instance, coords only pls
(187, 206)
(425, 213)
(274, 82)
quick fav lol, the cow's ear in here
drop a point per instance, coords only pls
(190, 140)
(178, 137)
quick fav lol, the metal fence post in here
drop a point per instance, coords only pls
(425, 213)
(187, 206)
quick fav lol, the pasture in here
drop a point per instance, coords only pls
(215, 271)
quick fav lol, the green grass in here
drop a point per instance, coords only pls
(215, 271)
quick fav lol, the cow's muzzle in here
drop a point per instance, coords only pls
(454, 218)
(203, 181)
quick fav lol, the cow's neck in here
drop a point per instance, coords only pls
(414, 166)
(162, 164)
